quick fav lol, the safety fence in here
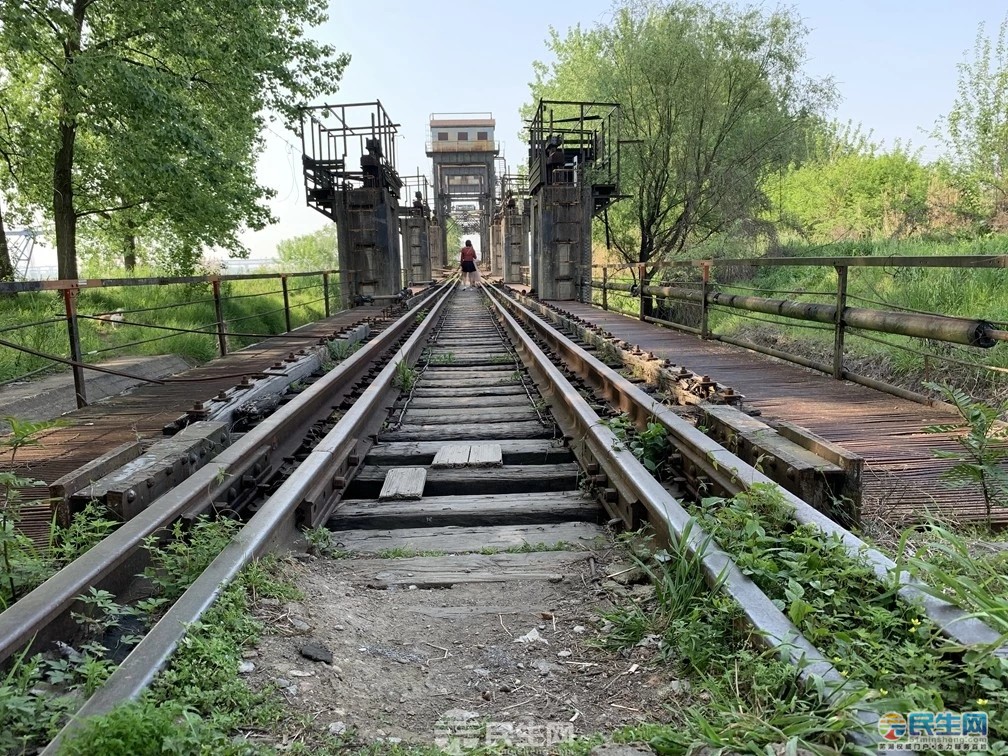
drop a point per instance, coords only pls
(46, 324)
(711, 297)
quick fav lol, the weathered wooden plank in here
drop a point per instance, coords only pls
(489, 359)
(792, 458)
(468, 378)
(459, 402)
(130, 488)
(452, 455)
(446, 571)
(454, 539)
(403, 483)
(514, 389)
(467, 509)
(448, 482)
(513, 452)
(409, 432)
(480, 415)
(485, 455)
(63, 488)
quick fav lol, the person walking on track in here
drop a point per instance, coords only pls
(468, 259)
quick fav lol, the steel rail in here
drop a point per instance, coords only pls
(772, 627)
(261, 447)
(734, 475)
(312, 482)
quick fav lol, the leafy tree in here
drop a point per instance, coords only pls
(713, 99)
(314, 251)
(975, 132)
(154, 109)
(853, 191)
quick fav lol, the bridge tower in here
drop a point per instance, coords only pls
(416, 230)
(515, 208)
(463, 152)
(350, 177)
(573, 176)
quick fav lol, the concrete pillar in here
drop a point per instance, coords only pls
(497, 246)
(368, 238)
(435, 242)
(416, 250)
(561, 241)
(516, 243)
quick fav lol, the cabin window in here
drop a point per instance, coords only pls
(463, 136)
(442, 136)
(482, 136)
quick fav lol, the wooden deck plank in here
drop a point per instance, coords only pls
(403, 483)
(446, 571)
(485, 455)
(489, 509)
(902, 478)
(513, 452)
(449, 482)
(452, 455)
(453, 539)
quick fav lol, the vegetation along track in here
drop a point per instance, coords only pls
(469, 392)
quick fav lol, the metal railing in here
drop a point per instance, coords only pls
(832, 313)
(222, 325)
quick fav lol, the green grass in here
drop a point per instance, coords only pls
(187, 306)
(863, 626)
(406, 552)
(740, 699)
(200, 700)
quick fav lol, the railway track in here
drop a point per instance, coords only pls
(465, 435)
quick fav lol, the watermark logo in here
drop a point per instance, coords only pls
(458, 735)
(933, 730)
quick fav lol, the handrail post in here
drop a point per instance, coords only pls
(325, 292)
(704, 308)
(73, 336)
(283, 281)
(605, 291)
(841, 305)
(640, 282)
(219, 311)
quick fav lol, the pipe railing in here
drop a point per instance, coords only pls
(972, 332)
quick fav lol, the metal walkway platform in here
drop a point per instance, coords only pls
(901, 476)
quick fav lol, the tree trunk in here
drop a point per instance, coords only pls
(63, 204)
(6, 269)
(64, 214)
(129, 253)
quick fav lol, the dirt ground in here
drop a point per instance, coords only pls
(508, 662)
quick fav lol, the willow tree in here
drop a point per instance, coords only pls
(975, 131)
(156, 108)
(713, 99)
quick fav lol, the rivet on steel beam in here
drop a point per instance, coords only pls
(611, 495)
(353, 460)
(338, 482)
(130, 495)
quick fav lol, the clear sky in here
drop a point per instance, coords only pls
(894, 63)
